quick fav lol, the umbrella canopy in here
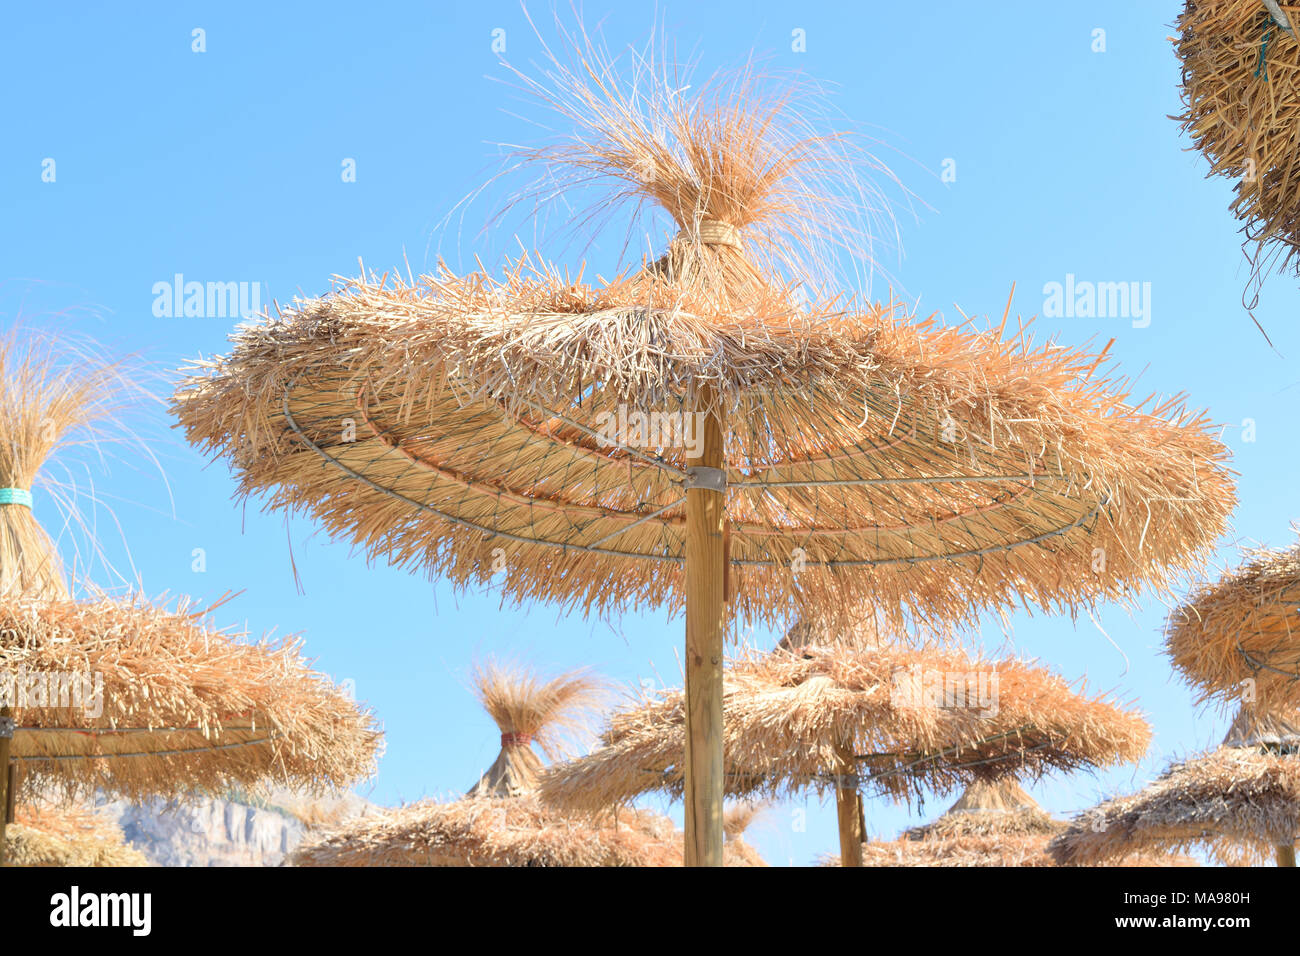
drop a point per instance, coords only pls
(529, 713)
(492, 831)
(1242, 802)
(499, 823)
(1243, 628)
(123, 695)
(687, 433)
(993, 823)
(67, 836)
(136, 700)
(1241, 70)
(902, 717)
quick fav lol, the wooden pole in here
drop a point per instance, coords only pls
(6, 778)
(705, 626)
(1286, 855)
(848, 807)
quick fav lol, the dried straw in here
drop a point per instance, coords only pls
(529, 713)
(790, 716)
(873, 456)
(1243, 628)
(67, 836)
(1241, 96)
(991, 824)
(184, 707)
(1240, 802)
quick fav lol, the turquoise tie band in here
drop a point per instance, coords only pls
(16, 496)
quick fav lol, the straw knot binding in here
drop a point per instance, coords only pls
(713, 232)
(16, 496)
(516, 740)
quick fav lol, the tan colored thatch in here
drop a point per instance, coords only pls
(1243, 627)
(791, 717)
(1240, 802)
(530, 713)
(1241, 96)
(993, 823)
(511, 831)
(124, 695)
(50, 397)
(736, 819)
(883, 457)
(181, 706)
(67, 836)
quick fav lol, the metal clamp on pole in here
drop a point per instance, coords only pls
(7, 727)
(705, 479)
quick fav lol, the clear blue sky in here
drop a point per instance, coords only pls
(225, 166)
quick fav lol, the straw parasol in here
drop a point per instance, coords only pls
(688, 433)
(499, 822)
(1241, 801)
(1241, 96)
(491, 831)
(68, 836)
(124, 695)
(993, 823)
(826, 717)
(1239, 637)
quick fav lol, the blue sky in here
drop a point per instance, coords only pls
(226, 166)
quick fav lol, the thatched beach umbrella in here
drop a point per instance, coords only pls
(122, 695)
(993, 823)
(1241, 801)
(1241, 96)
(499, 822)
(67, 836)
(1239, 638)
(687, 434)
(826, 718)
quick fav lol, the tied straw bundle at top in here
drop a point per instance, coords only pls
(844, 455)
(529, 713)
(121, 695)
(1241, 107)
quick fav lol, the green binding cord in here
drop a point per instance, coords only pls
(16, 496)
(1262, 66)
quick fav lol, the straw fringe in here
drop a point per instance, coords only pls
(184, 707)
(1244, 627)
(787, 714)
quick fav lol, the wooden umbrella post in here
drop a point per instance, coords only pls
(705, 625)
(6, 776)
(848, 806)
(1286, 855)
